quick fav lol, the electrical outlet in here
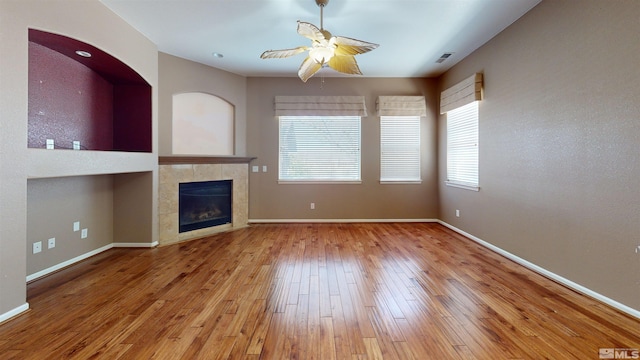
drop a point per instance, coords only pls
(51, 243)
(50, 144)
(76, 226)
(84, 234)
(312, 206)
(264, 168)
(37, 247)
(255, 168)
(638, 250)
(76, 145)
(457, 213)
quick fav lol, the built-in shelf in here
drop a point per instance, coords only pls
(176, 160)
(98, 102)
(43, 163)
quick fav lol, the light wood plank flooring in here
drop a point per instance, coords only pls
(311, 291)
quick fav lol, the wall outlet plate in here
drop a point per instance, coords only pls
(255, 168)
(76, 145)
(51, 243)
(84, 233)
(76, 226)
(37, 247)
(50, 144)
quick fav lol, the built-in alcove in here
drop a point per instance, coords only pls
(98, 101)
(109, 186)
(203, 124)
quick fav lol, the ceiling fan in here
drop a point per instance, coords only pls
(336, 52)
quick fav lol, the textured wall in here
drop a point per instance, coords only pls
(53, 205)
(67, 102)
(559, 144)
(178, 75)
(369, 200)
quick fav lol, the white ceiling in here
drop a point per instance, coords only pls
(412, 34)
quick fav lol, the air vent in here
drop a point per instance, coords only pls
(443, 57)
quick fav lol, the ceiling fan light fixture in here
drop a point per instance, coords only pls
(322, 54)
(336, 52)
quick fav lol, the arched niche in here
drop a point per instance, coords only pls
(203, 124)
(93, 99)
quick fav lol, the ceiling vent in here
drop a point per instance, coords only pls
(443, 57)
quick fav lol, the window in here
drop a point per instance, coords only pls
(319, 149)
(462, 146)
(400, 149)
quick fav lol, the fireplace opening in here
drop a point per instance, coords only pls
(204, 204)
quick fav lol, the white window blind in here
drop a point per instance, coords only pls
(319, 149)
(400, 149)
(462, 146)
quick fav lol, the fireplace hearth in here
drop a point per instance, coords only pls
(204, 204)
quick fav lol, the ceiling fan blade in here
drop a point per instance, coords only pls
(285, 53)
(349, 46)
(345, 64)
(308, 68)
(309, 31)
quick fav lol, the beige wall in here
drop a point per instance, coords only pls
(559, 144)
(93, 23)
(178, 75)
(369, 200)
(53, 205)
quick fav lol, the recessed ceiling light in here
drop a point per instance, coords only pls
(83, 53)
(217, 55)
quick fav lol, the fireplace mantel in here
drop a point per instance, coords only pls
(176, 160)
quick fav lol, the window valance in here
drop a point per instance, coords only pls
(401, 106)
(320, 106)
(462, 93)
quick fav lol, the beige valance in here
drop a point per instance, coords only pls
(462, 93)
(320, 106)
(401, 106)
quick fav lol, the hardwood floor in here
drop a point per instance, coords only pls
(311, 291)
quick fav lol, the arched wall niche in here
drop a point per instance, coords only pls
(202, 124)
(96, 100)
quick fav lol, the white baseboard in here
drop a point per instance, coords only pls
(546, 273)
(76, 259)
(15, 312)
(283, 221)
(135, 245)
(64, 264)
(529, 265)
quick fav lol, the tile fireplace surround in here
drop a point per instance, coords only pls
(174, 170)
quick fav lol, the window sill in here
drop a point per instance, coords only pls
(315, 182)
(400, 182)
(461, 186)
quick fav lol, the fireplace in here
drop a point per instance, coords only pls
(204, 204)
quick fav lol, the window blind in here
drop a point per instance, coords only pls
(400, 149)
(401, 106)
(320, 106)
(319, 148)
(462, 93)
(462, 146)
